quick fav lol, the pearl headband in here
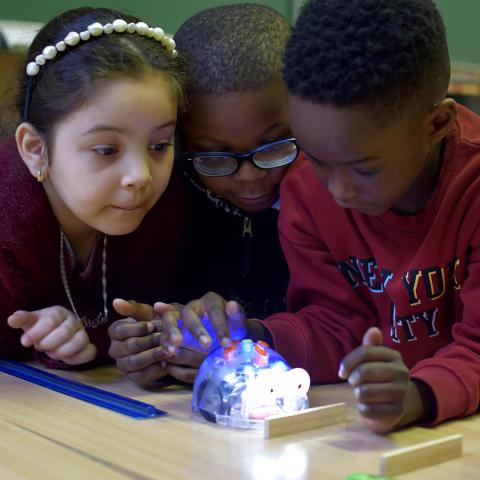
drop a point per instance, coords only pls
(95, 30)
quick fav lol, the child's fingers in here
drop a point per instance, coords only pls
(382, 412)
(128, 327)
(378, 372)
(187, 357)
(236, 319)
(365, 354)
(134, 345)
(381, 426)
(161, 307)
(381, 417)
(139, 361)
(139, 311)
(148, 375)
(71, 348)
(215, 307)
(22, 319)
(171, 335)
(59, 336)
(193, 324)
(83, 356)
(167, 324)
(380, 393)
(47, 320)
(373, 337)
(197, 306)
(234, 311)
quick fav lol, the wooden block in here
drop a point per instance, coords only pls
(303, 420)
(420, 455)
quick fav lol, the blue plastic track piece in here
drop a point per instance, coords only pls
(96, 396)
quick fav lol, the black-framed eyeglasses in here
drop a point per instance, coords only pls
(266, 156)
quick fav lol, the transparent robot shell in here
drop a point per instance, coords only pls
(240, 385)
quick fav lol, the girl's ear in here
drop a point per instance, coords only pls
(33, 150)
(442, 118)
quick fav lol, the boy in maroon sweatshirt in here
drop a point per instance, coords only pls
(380, 227)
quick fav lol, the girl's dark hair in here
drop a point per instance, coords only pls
(67, 81)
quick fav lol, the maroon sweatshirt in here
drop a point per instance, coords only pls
(415, 277)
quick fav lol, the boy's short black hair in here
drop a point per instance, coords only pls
(233, 48)
(383, 53)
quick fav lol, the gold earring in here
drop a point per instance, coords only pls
(40, 176)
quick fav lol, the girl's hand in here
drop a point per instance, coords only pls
(55, 331)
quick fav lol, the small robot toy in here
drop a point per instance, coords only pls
(242, 384)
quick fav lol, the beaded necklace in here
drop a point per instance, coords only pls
(101, 318)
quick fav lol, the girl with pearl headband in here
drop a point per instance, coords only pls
(89, 211)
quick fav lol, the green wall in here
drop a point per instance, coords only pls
(168, 14)
(461, 19)
(461, 16)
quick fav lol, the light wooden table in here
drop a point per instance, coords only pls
(46, 435)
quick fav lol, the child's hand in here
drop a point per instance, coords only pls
(221, 314)
(386, 397)
(135, 345)
(138, 345)
(55, 331)
(184, 365)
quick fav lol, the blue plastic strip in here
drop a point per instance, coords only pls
(96, 396)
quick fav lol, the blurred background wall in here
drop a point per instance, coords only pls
(461, 16)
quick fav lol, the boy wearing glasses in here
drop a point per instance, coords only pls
(235, 148)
